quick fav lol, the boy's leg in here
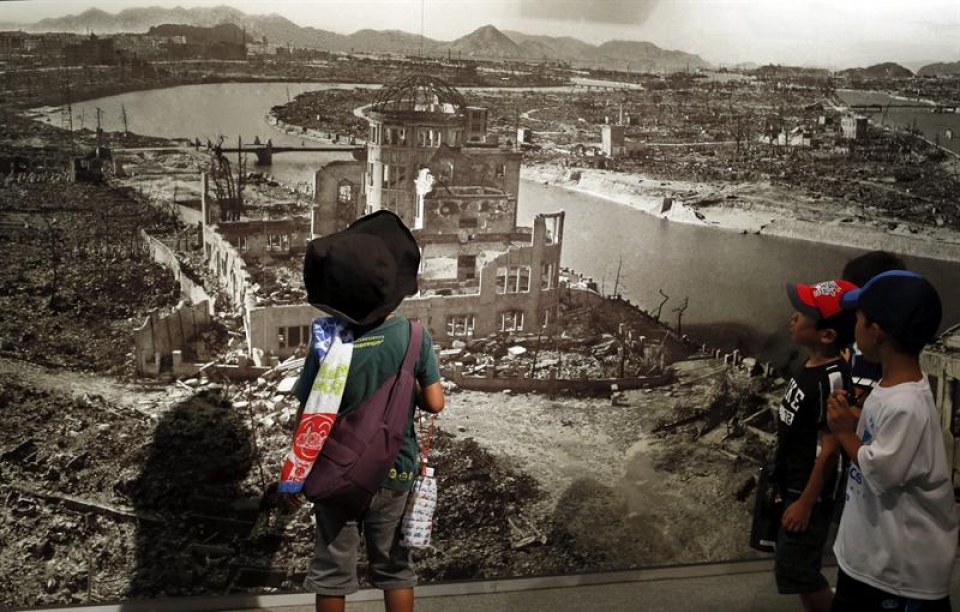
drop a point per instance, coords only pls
(331, 603)
(398, 600)
(333, 571)
(390, 563)
(799, 558)
(818, 601)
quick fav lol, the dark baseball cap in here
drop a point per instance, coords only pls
(904, 304)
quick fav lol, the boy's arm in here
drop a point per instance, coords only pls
(429, 395)
(797, 515)
(843, 425)
(431, 398)
(891, 457)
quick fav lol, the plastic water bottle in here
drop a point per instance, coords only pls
(417, 523)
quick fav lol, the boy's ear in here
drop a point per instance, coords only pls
(828, 336)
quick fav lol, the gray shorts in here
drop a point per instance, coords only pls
(334, 567)
(798, 558)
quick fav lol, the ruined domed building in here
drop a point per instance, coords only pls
(430, 159)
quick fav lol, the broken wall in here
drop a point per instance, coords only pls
(191, 215)
(487, 307)
(941, 363)
(439, 262)
(161, 335)
(334, 210)
(224, 260)
(593, 386)
(442, 260)
(481, 166)
(262, 237)
(278, 331)
(189, 288)
(469, 210)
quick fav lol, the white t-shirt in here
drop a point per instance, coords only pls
(898, 532)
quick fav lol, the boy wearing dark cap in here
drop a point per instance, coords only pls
(805, 469)
(859, 270)
(359, 276)
(898, 532)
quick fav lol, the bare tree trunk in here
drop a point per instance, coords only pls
(666, 298)
(680, 310)
(616, 283)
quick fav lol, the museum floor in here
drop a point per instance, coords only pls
(747, 587)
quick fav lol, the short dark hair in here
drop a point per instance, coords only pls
(843, 324)
(862, 268)
(900, 345)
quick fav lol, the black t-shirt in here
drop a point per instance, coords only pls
(803, 413)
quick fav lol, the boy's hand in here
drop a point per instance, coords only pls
(839, 416)
(796, 517)
(289, 501)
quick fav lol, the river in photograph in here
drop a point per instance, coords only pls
(902, 113)
(734, 282)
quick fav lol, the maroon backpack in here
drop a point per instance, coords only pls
(363, 444)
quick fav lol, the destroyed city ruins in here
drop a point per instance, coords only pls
(605, 231)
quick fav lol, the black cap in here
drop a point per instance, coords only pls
(362, 273)
(904, 304)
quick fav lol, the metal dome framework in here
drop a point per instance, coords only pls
(419, 93)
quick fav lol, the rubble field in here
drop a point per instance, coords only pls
(120, 490)
(61, 305)
(139, 493)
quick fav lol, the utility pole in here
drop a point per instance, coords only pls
(622, 336)
(536, 352)
(66, 113)
(241, 170)
(420, 51)
(123, 116)
(616, 283)
(99, 128)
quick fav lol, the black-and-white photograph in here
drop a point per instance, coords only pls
(544, 288)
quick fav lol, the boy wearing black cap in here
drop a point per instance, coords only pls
(898, 532)
(359, 276)
(805, 470)
(859, 270)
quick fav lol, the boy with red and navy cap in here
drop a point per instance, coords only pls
(805, 465)
(898, 533)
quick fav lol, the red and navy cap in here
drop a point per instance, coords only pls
(820, 301)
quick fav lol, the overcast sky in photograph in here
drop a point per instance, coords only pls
(810, 32)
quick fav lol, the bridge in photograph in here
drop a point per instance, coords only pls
(879, 108)
(265, 152)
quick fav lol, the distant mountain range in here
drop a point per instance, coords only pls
(486, 42)
(941, 69)
(886, 70)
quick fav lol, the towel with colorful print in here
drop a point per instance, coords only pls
(333, 344)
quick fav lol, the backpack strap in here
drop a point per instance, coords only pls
(413, 349)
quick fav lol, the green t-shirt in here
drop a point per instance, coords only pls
(377, 356)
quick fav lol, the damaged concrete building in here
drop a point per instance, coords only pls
(431, 160)
(941, 362)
